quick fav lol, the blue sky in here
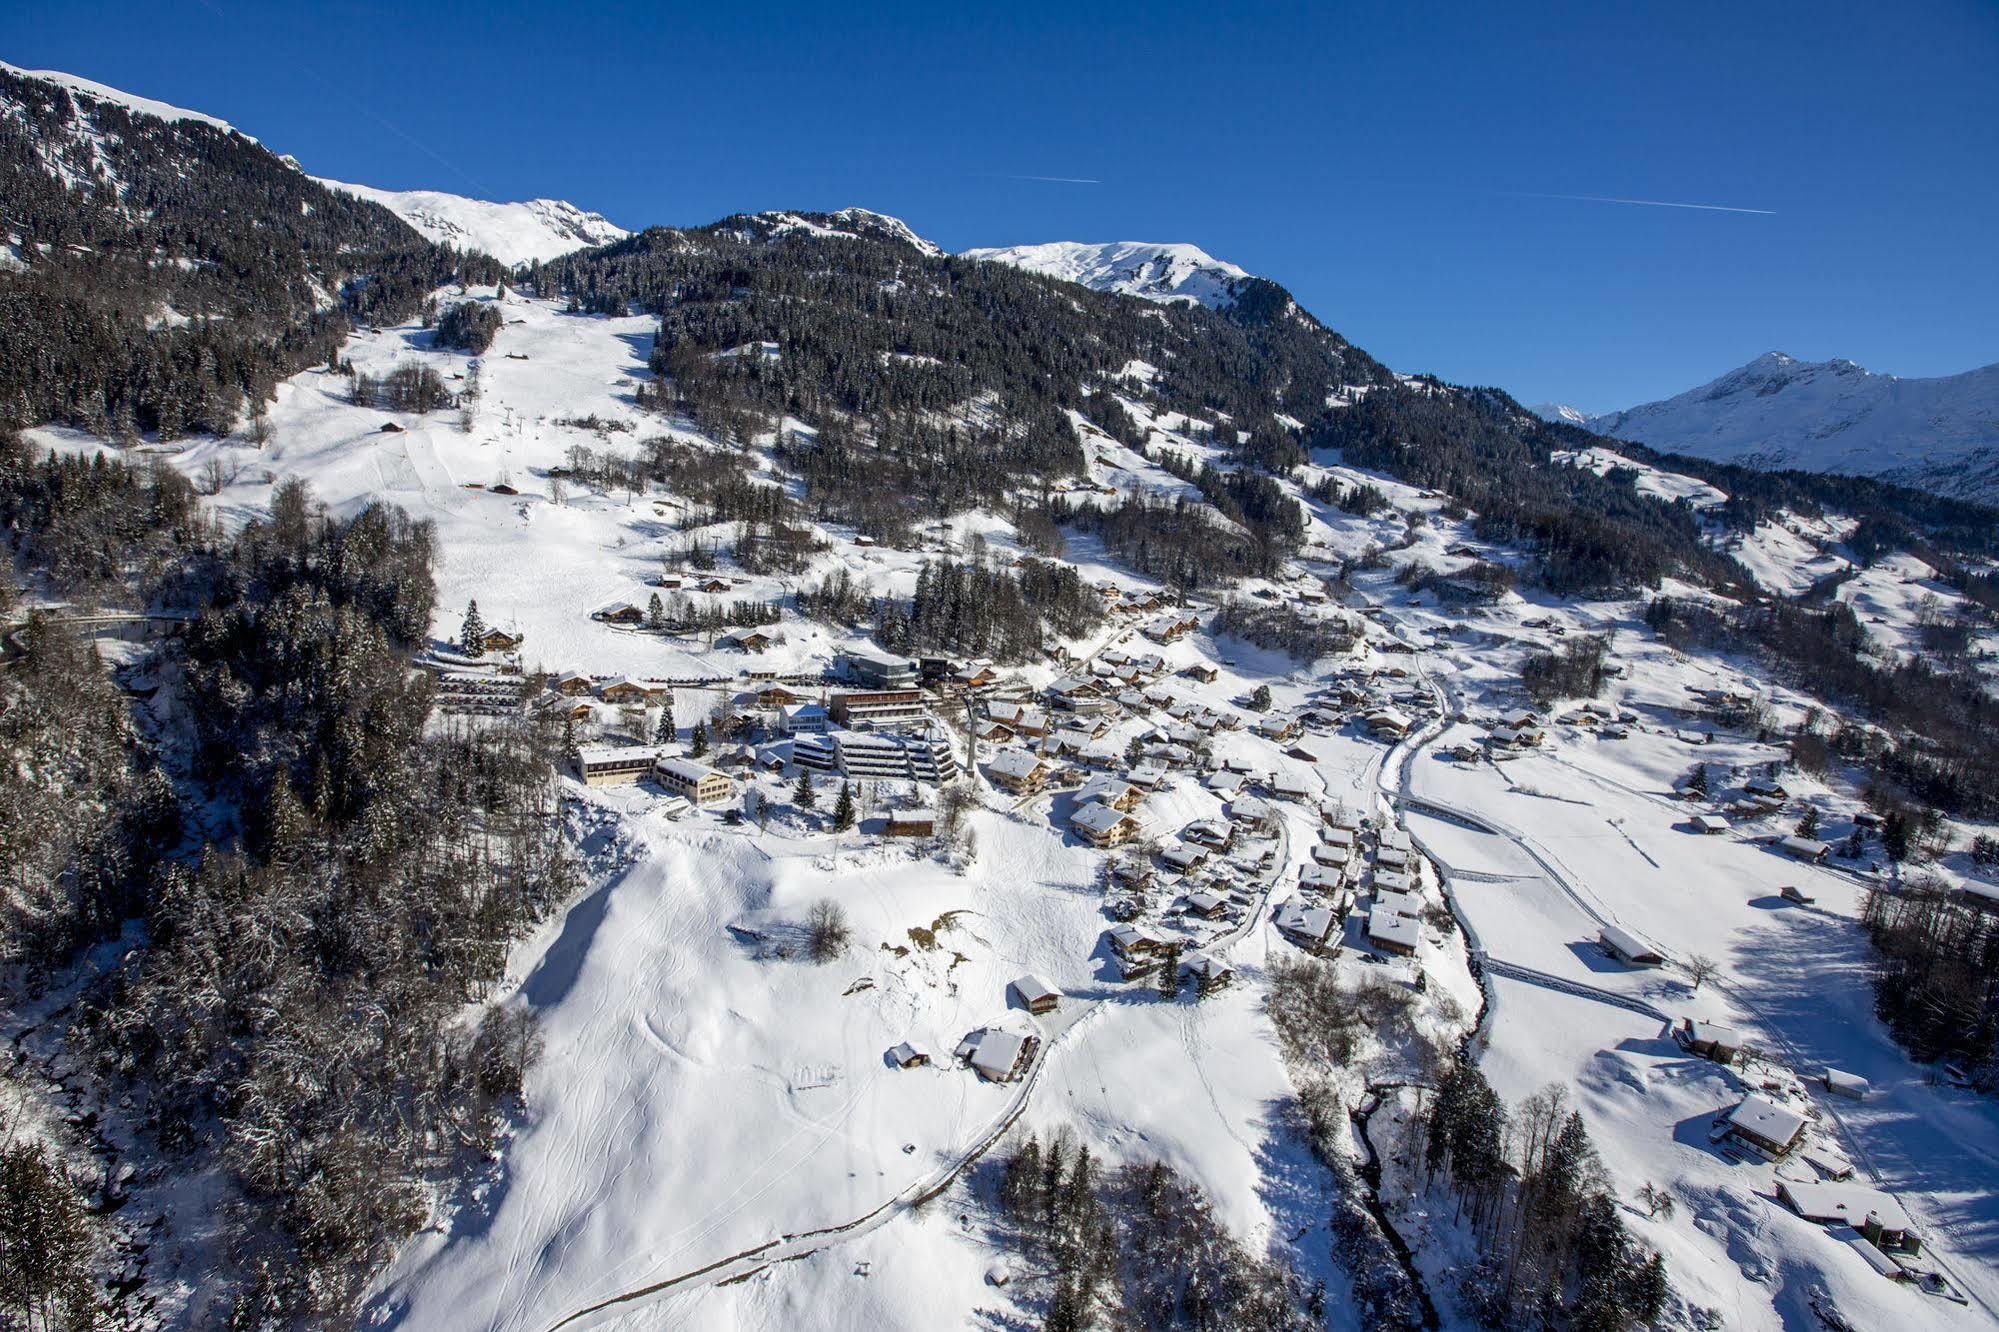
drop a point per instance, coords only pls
(1387, 163)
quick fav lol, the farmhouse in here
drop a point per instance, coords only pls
(571, 684)
(695, 782)
(1628, 948)
(1388, 723)
(1181, 857)
(499, 640)
(912, 823)
(1710, 824)
(622, 613)
(997, 1056)
(906, 1055)
(1768, 1129)
(1036, 995)
(623, 690)
(747, 640)
(1807, 849)
(1101, 825)
(613, 765)
(1870, 1211)
(1711, 1041)
(1215, 834)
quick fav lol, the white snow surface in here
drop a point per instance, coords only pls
(1157, 272)
(1560, 412)
(514, 233)
(1833, 416)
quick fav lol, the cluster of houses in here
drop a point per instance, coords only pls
(699, 785)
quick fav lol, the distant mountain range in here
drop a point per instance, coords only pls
(1157, 272)
(1778, 412)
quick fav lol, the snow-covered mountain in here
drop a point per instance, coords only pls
(1560, 412)
(513, 233)
(1939, 434)
(1136, 268)
(102, 93)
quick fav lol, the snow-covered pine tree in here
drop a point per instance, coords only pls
(472, 633)
(843, 809)
(697, 744)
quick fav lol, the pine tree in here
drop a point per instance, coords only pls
(665, 733)
(472, 634)
(1169, 973)
(655, 613)
(1808, 825)
(802, 794)
(1697, 783)
(697, 744)
(843, 809)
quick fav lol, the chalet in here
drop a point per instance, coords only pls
(1711, 824)
(1764, 787)
(1323, 879)
(623, 690)
(1870, 1211)
(1207, 905)
(1393, 881)
(1119, 795)
(576, 709)
(1336, 857)
(1147, 776)
(1628, 948)
(1388, 723)
(1767, 1129)
(1341, 817)
(1302, 754)
(978, 675)
(622, 613)
(1017, 771)
(1215, 834)
(1520, 718)
(1224, 784)
(1393, 932)
(613, 765)
(714, 586)
(777, 696)
(912, 823)
(1136, 942)
(499, 640)
(1181, 857)
(1209, 973)
(997, 1056)
(1036, 995)
(906, 1055)
(1390, 856)
(747, 640)
(1342, 838)
(1307, 925)
(1252, 811)
(1171, 626)
(1021, 718)
(1276, 727)
(1807, 849)
(1516, 737)
(695, 782)
(1101, 825)
(876, 707)
(1287, 787)
(1710, 1041)
(1203, 671)
(571, 684)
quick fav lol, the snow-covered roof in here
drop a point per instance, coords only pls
(1834, 1203)
(1098, 818)
(1767, 1121)
(1032, 989)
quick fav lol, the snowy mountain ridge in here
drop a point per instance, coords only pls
(1561, 413)
(1940, 434)
(1156, 272)
(104, 93)
(527, 231)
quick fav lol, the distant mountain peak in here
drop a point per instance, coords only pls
(1777, 411)
(1166, 272)
(1561, 413)
(100, 92)
(529, 231)
(853, 223)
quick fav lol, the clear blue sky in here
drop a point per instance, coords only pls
(1382, 161)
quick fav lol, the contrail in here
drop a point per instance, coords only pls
(1056, 180)
(1645, 203)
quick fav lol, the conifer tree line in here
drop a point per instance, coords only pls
(1137, 1247)
(468, 326)
(1554, 1251)
(324, 878)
